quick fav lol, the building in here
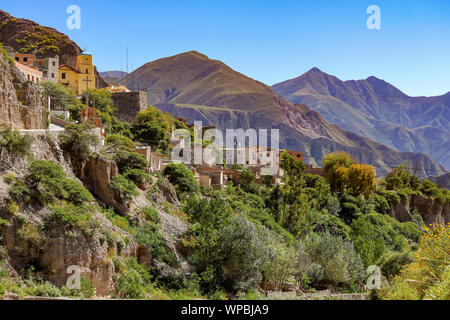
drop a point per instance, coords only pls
(129, 104)
(49, 68)
(30, 73)
(154, 159)
(26, 59)
(80, 78)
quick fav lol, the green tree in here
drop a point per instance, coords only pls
(182, 178)
(79, 141)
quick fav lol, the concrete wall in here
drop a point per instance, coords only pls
(129, 104)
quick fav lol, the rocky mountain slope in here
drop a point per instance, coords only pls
(113, 77)
(27, 36)
(192, 86)
(377, 110)
(21, 105)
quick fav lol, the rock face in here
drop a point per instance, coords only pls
(54, 253)
(433, 211)
(21, 104)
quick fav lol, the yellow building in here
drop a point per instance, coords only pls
(80, 78)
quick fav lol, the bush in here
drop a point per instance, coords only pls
(70, 216)
(132, 279)
(151, 214)
(330, 260)
(15, 143)
(240, 253)
(78, 141)
(182, 178)
(149, 235)
(392, 262)
(46, 181)
(428, 277)
(373, 235)
(124, 188)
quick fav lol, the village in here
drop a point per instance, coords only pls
(129, 103)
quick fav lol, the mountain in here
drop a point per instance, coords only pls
(192, 86)
(442, 181)
(377, 110)
(113, 77)
(27, 36)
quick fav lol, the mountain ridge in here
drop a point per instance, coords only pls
(377, 110)
(192, 86)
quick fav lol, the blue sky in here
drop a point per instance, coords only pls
(270, 41)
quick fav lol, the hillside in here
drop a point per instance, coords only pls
(27, 36)
(113, 77)
(377, 110)
(192, 86)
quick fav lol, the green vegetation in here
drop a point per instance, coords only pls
(182, 179)
(124, 188)
(46, 182)
(79, 141)
(15, 143)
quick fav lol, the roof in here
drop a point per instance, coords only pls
(85, 53)
(65, 65)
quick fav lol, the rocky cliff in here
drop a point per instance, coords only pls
(21, 104)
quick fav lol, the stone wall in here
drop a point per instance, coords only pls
(129, 104)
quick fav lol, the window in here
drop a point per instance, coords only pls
(63, 76)
(87, 71)
(44, 73)
(53, 75)
(17, 58)
(54, 63)
(25, 59)
(298, 156)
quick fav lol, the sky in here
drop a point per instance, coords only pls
(270, 41)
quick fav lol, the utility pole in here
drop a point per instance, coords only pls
(87, 80)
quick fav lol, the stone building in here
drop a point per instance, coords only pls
(129, 104)
(49, 68)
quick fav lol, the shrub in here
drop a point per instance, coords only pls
(126, 160)
(373, 235)
(13, 208)
(151, 214)
(428, 277)
(15, 143)
(182, 178)
(330, 260)
(149, 235)
(240, 253)
(78, 141)
(47, 181)
(124, 188)
(71, 216)
(392, 262)
(132, 279)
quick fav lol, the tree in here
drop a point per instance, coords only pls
(328, 259)
(62, 98)
(182, 178)
(292, 167)
(334, 165)
(79, 141)
(361, 179)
